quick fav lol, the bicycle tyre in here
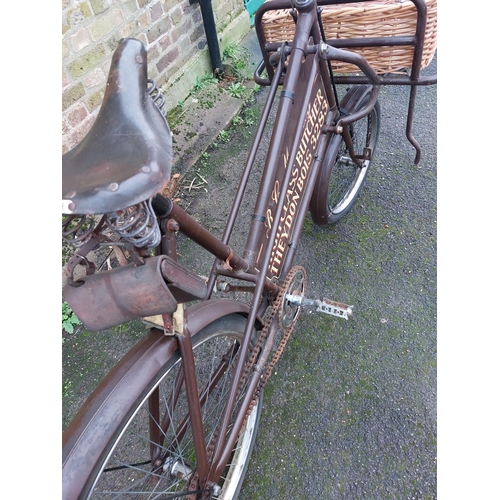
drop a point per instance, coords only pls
(125, 468)
(340, 180)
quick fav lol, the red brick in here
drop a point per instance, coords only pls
(77, 115)
(165, 42)
(78, 133)
(156, 11)
(167, 59)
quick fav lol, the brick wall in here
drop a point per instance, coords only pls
(172, 31)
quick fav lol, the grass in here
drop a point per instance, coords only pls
(247, 117)
(224, 136)
(67, 388)
(237, 89)
(204, 81)
(69, 319)
(237, 61)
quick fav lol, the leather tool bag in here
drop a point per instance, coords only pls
(124, 294)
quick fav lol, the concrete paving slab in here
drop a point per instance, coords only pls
(207, 112)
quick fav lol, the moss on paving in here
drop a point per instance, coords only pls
(87, 357)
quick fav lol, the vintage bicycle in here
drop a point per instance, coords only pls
(177, 417)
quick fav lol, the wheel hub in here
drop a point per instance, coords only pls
(177, 469)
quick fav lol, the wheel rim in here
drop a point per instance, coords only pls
(239, 461)
(339, 205)
(126, 473)
(347, 176)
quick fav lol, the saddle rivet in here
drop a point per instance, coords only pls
(113, 186)
(146, 169)
(138, 59)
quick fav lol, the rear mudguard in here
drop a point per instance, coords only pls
(87, 436)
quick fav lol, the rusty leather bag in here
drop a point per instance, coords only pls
(124, 294)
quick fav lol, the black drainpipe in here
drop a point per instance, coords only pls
(211, 32)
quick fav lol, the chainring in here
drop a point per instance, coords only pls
(295, 285)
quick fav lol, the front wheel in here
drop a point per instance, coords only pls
(341, 179)
(152, 455)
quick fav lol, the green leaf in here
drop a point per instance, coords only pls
(68, 327)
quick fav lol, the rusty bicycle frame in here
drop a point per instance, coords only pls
(292, 164)
(307, 116)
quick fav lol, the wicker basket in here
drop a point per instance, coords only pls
(377, 18)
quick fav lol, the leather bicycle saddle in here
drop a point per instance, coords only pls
(126, 157)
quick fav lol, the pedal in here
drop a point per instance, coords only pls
(325, 306)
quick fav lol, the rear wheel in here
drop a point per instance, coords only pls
(152, 454)
(341, 179)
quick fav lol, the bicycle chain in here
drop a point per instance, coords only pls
(275, 306)
(277, 302)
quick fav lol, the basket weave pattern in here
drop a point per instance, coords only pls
(377, 18)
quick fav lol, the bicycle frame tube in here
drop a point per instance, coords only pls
(302, 96)
(186, 348)
(222, 447)
(246, 172)
(298, 144)
(301, 214)
(197, 233)
(301, 133)
(306, 112)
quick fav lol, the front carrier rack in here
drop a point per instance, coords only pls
(398, 38)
